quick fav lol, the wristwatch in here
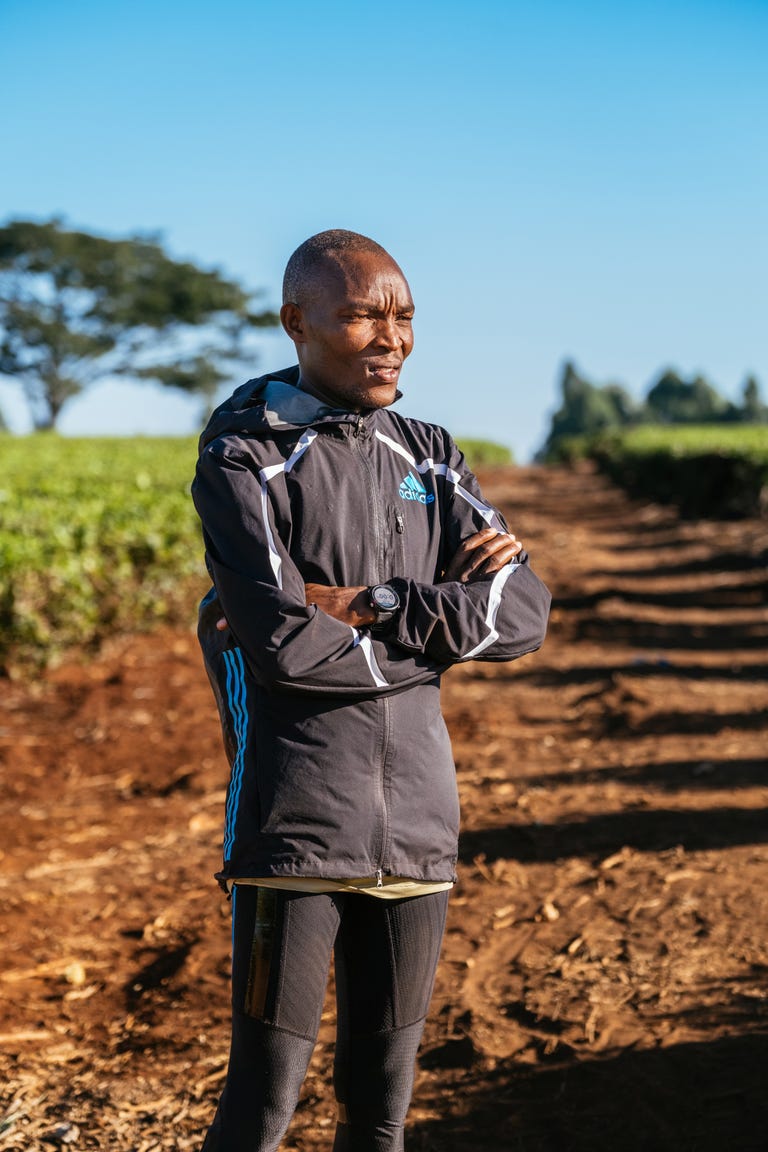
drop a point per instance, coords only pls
(384, 601)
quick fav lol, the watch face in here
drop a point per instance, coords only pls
(385, 597)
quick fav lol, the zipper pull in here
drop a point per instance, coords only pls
(359, 427)
(399, 522)
(379, 880)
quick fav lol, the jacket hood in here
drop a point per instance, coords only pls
(274, 402)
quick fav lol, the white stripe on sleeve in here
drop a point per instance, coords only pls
(364, 643)
(494, 600)
(265, 475)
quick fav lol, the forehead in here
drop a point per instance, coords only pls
(360, 276)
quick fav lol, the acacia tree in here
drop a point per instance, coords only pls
(75, 308)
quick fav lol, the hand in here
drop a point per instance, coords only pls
(349, 605)
(482, 554)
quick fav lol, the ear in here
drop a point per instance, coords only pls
(292, 320)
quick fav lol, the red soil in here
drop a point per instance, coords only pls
(604, 982)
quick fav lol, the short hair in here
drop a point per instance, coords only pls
(325, 248)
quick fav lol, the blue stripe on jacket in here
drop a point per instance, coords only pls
(237, 709)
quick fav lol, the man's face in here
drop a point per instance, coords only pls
(354, 331)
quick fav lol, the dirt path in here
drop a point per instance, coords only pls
(605, 976)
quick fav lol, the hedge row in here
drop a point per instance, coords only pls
(708, 470)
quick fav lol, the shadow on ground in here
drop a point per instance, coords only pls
(654, 830)
(691, 1097)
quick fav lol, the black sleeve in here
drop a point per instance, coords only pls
(500, 617)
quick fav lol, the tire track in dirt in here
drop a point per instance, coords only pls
(604, 976)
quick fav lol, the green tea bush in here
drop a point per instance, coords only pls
(480, 453)
(96, 535)
(707, 470)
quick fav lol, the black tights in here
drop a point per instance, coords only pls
(385, 954)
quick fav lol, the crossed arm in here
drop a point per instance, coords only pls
(480, 555)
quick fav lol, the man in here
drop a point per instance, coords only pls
(353, 560)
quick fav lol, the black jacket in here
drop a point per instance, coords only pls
(341, 763)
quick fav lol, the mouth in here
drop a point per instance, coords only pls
(385, 371)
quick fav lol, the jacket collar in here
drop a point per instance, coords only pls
(274, 402)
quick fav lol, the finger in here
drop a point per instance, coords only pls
(222, 624)
(476, 540)
(500, 558)
(500, 544)
(501, 541)
(458, 562)
(480, 537)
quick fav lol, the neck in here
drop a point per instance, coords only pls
(324, 397)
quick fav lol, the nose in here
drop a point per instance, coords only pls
(388, 334)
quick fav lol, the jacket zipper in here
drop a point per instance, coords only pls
(382, 793)
(373, 493)
(373, 503)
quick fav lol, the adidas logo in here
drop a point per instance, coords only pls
(412, 489)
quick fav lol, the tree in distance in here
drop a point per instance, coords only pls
(75, 308)
(675, 401)
(587, 409)
(752, 407)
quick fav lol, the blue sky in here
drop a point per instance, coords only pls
(558, 179)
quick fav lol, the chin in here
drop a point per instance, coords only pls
(378, 395)
(380, 399)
